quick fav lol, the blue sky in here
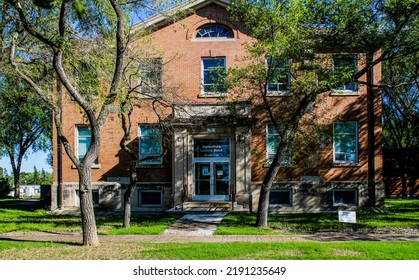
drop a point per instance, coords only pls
(37, 159)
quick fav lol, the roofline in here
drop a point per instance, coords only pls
(160, 19)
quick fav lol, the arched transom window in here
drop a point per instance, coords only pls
(214, 31)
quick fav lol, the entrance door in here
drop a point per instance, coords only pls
(212, 180)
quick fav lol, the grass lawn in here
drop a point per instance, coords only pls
(397, 216)
(10, 250)
(12, 219)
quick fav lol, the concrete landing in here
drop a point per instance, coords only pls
(195, 224)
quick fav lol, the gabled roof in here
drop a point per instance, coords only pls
(161, 18)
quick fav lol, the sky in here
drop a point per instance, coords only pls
(38, 159)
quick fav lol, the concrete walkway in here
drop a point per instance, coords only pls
(195, 224)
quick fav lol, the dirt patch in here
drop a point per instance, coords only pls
(346, 253)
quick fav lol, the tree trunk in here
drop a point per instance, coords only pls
(130, 191)
(90, 237)
(263, 206)
(127, 206)
(16, 179)
(16, 172)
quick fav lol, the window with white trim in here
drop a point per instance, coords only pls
(279, 75)
(345, 65)
(213, 71)
(280, 198)
(345, 142)
(84, 140)
(273, 138)
(150, 77)
(150, 144)
(345, 197)
(214, 31)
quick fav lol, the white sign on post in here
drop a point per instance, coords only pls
(347, 217)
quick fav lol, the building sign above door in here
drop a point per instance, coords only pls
(212, 147)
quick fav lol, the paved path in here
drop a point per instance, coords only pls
(195, 224)
(76, 238)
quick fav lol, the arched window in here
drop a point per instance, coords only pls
(214, 31)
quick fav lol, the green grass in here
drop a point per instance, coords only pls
(42, 220)
(283, 250)
(396, 215)
(214, 251)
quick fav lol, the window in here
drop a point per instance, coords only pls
(273, 138)
(150, 142)
(279, 75)
(345, 142)
(150, 75)
(95, 197)
(150, 198)
(345, 65)
(280, 197)
(84, 139)
(214, 31)
(213, 70)
(346, 197)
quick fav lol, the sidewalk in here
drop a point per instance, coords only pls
(329, 237)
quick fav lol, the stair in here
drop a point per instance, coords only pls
(210, 206)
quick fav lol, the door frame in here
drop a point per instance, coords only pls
(211, 196)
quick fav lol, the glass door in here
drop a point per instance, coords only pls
(203, 178)
(212, 180)
(221, 178)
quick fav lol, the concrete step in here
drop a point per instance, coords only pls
(210, 206)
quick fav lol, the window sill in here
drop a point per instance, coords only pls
(278, 93)
(283, 164)
(214, 39)
(94, 166)
(149, 95)
(212, 95)
(346, 164)
(148, 166)
(344, 93)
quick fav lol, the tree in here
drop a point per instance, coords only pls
(85, 42)
(24, 123)
(295, 37)
(102, 23)
(400, 112)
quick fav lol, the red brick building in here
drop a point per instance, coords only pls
(211, 155)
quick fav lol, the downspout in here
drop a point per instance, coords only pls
(371, 130)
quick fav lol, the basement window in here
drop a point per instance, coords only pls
(149, 198)
(345, 197)
(280, 198)
(95, 197)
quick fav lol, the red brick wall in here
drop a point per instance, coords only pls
(181, 56)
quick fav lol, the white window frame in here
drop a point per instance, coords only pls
(345, 89)
(283, 191)
(356, 202)
(159, 158)
(285, 160)
(335, 152)
(143, 73)
(211, 93)
(214, 38)
(287, 84)
(78, 127)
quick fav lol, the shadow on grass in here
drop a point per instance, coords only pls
(21, 241)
